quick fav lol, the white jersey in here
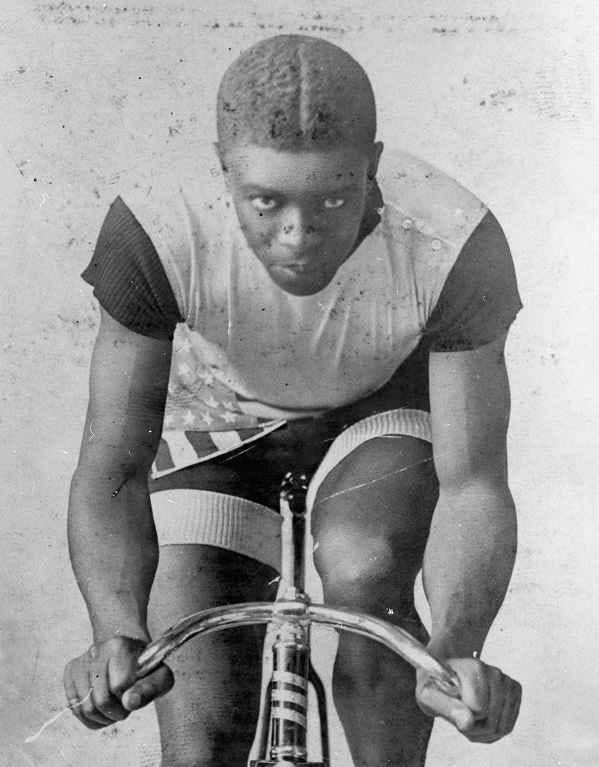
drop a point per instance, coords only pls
(247, 348)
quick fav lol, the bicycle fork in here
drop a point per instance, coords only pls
(283, 722)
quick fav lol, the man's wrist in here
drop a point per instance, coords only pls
(450, 646)
(106, 633)
(104, 628)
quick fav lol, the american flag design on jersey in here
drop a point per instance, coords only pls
(179, 449)
(202, 418)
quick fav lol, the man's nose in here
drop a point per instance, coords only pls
(297, 230)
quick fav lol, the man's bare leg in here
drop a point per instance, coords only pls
(370, 523)
(209, 717)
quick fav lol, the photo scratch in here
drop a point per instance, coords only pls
(360, 485)
(56, 717)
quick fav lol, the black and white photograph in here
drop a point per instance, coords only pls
(299, 384)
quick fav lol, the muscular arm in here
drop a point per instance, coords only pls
(112, 539)
(471, 548)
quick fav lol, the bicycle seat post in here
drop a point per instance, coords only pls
(293, 536)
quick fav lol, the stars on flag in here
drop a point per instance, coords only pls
(198, 399)
(206, 377)
(210, 400)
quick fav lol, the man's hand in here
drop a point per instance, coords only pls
(101, 686)
(489, 703)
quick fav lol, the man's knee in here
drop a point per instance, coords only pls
(370, 523)
(353, 564)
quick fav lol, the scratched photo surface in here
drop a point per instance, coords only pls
(502, 96)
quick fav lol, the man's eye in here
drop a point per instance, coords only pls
(264, 203)
(332, 203)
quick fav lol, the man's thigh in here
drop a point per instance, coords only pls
(370, 522)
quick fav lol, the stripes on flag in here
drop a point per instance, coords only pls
(226, 440)
(179, 449)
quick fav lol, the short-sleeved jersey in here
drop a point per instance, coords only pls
(171, 259)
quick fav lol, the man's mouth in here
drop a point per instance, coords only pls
(295, 267)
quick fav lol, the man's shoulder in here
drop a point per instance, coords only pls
(438, 204)
(180, 204)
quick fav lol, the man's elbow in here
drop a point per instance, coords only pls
(475, 476)
(110, 478)
(485, 496)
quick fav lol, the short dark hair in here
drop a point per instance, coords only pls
(295, 92)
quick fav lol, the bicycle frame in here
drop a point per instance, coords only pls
(282, 725)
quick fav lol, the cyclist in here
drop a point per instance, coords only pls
(306, 300)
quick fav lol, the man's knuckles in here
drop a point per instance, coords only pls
(122, 673)
(115, 646)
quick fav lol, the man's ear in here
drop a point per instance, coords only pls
(375, 156)
(222, 164)
(218, 152)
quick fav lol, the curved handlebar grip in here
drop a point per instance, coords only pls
(395, 638)
(203, 622)
(251, 613)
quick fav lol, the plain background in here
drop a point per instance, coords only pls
(503, 96)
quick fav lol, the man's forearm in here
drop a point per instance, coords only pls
(114, 552)
(467, 565)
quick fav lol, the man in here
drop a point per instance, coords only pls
(353, 303)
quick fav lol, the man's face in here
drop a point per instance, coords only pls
(300, 211)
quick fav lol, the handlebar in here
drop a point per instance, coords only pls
(252, 613)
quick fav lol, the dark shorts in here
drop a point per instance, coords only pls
(231, 501)
(255, 471)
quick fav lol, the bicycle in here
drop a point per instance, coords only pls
(282, 723)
